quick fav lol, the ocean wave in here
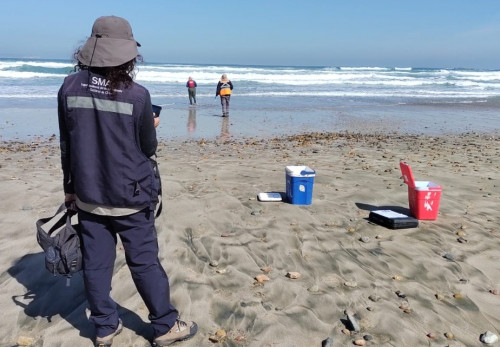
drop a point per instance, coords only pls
(41, 79)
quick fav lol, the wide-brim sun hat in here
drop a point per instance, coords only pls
(110, 44)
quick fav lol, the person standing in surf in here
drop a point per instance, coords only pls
(108, 144)
(191, 86)
(224, 89)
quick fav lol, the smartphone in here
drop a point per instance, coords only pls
(156, 110)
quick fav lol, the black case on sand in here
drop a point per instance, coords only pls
(393, 220)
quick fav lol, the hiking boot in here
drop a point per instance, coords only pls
(180, 331)
(107, 341)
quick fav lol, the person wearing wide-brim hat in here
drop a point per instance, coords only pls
(224, 89)
(108, 144)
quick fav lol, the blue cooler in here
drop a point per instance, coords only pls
(299, 184)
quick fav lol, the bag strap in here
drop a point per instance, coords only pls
(65, 218)
(159, 207)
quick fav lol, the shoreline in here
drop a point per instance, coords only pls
(181, 122)
(215, 237)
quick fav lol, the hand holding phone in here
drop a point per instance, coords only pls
(156, 110)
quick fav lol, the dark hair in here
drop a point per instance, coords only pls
(116, 75)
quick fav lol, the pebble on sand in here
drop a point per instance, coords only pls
(440, 297)
(25, 341)
(397, 278)
(374, 298)
(449, 336)
(219, 336)
(360, 342)
(328, 342)
(350, 284)
(261, 278)
(488, 338)
(293, 275)
(313, 289)
(266, 269)
(365, 239)
(400, 294)
(368, 337)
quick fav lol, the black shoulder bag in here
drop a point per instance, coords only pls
(61, 243)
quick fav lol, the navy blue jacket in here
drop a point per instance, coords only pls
(106, 143)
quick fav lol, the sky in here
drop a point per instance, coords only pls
(389, 33)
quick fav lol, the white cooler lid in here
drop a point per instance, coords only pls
(300, 171)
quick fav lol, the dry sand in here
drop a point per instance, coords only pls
(215, 237)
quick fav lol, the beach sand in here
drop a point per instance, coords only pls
(215, 237)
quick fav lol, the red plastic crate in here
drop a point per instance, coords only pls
(423, 196)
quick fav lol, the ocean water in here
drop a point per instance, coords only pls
(272, 100)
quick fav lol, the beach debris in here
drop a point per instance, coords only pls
(239, 338)
(293, 275)
(328, 342)
(488, 337)
(25, 341)
(351, 230)
(397, 278)
(364, 239)
(374, 298)
(360, 342)
(449, 336)
(219, 336)
(449, 256)
(458, 296)
(405, 307)
(266, 269)
(494, 291)
(351, 284)
(400, 294)
(371, 309)
(221, 271)
(352, 320)
(214, 263)
(256, 213)
(461, 233)
(464, 280)
(432, 336)
(346, 331)
(225, 235)
(462, 240)
(261, 278)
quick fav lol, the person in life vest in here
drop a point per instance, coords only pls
(224, 89)
(191, 86)
(108, 144)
